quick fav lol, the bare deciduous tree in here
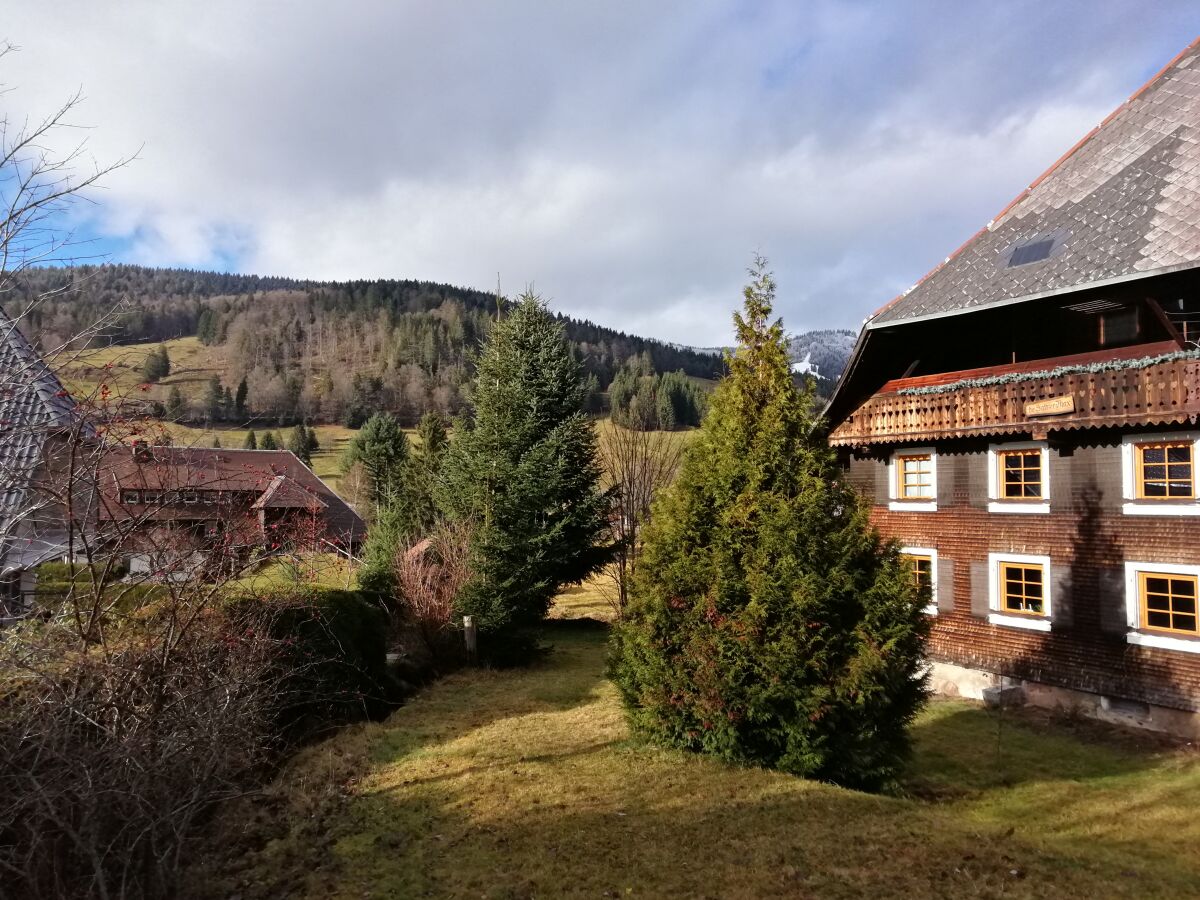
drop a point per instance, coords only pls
(638, 463)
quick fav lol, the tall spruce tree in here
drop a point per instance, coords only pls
(239, 399)
(299, 445)
(381, 447)
(769, 624)
(523, 469)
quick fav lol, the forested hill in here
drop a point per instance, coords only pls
(317, 350)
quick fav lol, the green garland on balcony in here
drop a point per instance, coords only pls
(1113, 365)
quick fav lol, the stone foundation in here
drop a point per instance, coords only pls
(958, 681)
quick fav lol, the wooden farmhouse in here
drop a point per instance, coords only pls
(174, 510)
(1026, 421)
(167, 511)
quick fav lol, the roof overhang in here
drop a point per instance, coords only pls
(873, 323)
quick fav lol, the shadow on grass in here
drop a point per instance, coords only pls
(960, 749)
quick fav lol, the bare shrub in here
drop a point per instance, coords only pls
(110, 759)
(429, 574)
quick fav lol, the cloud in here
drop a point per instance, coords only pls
(625, 160)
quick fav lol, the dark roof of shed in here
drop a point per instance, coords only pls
(1123, 202)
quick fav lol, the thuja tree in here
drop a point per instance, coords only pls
(523, 470)
(769, 624)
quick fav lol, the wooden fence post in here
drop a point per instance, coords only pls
(470, 638)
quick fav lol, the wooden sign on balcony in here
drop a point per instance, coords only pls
(1055, 406)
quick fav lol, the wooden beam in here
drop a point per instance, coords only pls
(1165, 321)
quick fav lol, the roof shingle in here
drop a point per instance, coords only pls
(1125, 201)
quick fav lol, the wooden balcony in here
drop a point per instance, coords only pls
(941, 406)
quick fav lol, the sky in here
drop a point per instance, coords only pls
(625, 159)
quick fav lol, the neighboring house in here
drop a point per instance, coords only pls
(1026, 420)
(39, 422)
(63, 488)
(171, 505)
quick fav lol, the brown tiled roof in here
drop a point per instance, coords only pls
(277, 478)
(1124, 202)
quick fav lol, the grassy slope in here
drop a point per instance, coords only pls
(119, 367)
(527, 784)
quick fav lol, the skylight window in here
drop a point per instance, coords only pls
(1031, 253)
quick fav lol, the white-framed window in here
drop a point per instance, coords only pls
(912, 479)
(1161, 605)
(1019, 477)
(1019, 593)
(1158, 474)
(130, 497)
(924, 562)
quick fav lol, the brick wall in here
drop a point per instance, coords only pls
(1088, 540)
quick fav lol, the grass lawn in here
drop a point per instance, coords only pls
(312, 570)
(527, 784)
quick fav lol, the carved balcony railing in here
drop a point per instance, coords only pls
(1157, 393)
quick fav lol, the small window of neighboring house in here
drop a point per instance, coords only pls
(1020, 591)
(1160, 475)
(1019, 478)
(191, 496)
(923, 563)
(914, 480)
(151, 498)
(1162, 604)
(130, 497)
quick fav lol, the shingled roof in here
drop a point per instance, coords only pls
(1124, 202)
(33, 404)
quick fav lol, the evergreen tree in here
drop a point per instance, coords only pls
(212, 399)
(216, 443)
(251, 442)
(524, 471)
(174, 408)
(382, 449)
(298, 444)
(769, 624)
(157, 365)
(434, 437)
(313, 444)
(268, 442)
(402, 492)
(239, 399)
